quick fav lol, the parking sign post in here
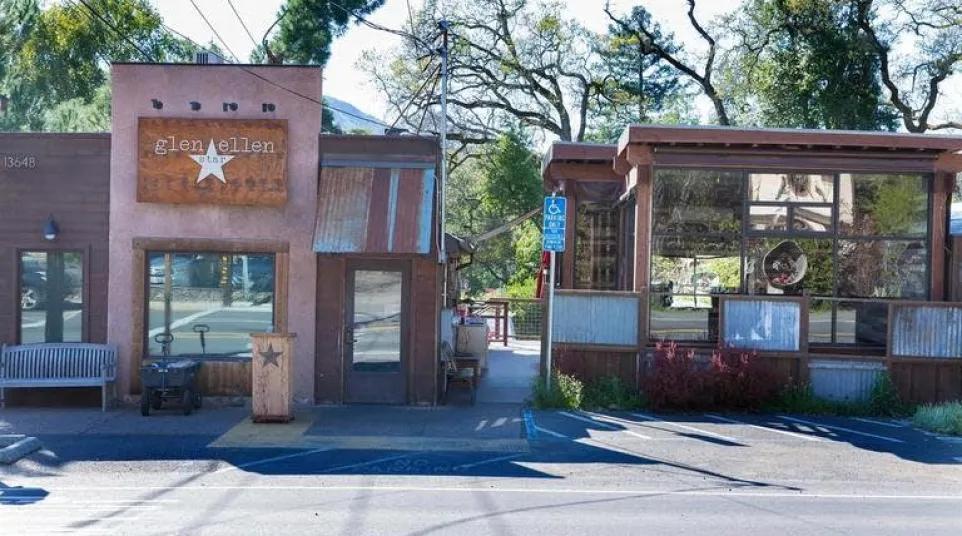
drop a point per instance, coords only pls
(553, 225)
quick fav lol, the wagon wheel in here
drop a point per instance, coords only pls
(187, 401)
(156, 400)
(145, 403)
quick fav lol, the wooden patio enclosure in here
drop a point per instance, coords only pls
(609, 289)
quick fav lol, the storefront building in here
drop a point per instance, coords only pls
(54, 196)
(213, 210)
(850, 222)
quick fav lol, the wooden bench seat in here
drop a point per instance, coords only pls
(58, 365)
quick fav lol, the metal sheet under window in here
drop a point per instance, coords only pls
(765, 325)
(923, 331)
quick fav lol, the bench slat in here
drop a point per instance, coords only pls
(66, 363)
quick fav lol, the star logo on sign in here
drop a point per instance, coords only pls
(211, 163)
(270, 356)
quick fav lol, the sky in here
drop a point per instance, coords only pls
(342, 79)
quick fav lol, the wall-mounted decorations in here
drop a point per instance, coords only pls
(212, 161)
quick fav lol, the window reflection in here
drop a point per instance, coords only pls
(51, 297)
(883, 205)
(883, 269)
(792, 188)
(209, 303)
(698, 201)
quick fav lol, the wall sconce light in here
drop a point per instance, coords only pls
(194, 105)
(267, 107)
(230, 106)
(157, 104)
(50, 229)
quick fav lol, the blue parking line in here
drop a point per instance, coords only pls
(531, 431)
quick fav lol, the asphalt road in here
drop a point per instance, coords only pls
(613, 473)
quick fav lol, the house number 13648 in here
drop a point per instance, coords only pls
(18, 162)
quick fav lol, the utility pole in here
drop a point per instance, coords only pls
(444, 25)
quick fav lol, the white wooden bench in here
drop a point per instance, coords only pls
(58, 365)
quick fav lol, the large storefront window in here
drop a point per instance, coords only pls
(207, 304)
(846, 240)
(51, 297)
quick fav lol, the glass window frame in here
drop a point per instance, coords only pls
(85, 289)
(835, 235)
(147, 253)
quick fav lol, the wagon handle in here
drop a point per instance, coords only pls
(201, 329)
(164, 340)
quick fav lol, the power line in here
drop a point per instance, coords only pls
(211, 26)
(241, 19)
(417, 94)
(241, 67)
(142, 52)
(378, 27)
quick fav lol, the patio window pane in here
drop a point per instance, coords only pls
(222, 297)
(883, 269)
(683, 317)
(695, 265)
(780, 266)
(820, 322)
(697, 201)
(792, 187)
(884, 205)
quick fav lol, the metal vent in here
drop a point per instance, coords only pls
(206, 57)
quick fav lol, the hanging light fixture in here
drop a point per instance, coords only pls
(50, 229)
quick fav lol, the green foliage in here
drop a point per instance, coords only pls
(78, 115)
(566, 392)
(328, 123)
(882, 401)
(728, 270)
(637, 86)
(308, 27)
(808, 64)
(940, 418)
(502, 183)
(610, 393)
(56, 60)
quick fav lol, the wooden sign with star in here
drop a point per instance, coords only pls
(212, 161)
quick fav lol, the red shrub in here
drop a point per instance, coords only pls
(677, 381)
(730, 380)
(743, 380)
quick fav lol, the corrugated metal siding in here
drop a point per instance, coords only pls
(595, 319)
(765, 325)
(921, 331)
(375, 210)
(843, 380)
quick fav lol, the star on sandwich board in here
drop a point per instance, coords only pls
(211, 163)
(270, 356)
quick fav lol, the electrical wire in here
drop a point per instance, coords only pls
(378, 27)
(429, 78)
(241, 20)
(241, 67)
(142, 52)
(217, 35)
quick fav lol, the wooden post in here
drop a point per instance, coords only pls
(273, 377)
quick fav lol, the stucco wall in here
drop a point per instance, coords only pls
(134, 85)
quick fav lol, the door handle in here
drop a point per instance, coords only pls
(349, 336)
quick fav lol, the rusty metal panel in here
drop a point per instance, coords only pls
(344, 199)
(765, 325)
(927, 331)
(375, 210)
(595, 319)
(843, 380)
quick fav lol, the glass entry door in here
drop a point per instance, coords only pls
(375, 334)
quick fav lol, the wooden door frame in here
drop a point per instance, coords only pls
(402, 266)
